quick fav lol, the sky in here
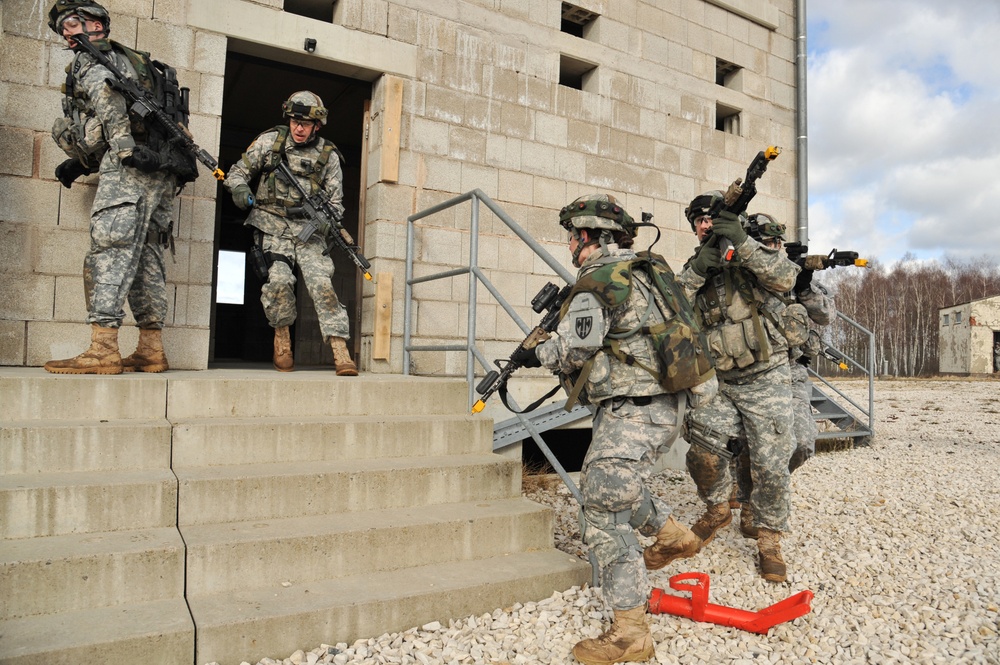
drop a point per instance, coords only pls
(904, 128)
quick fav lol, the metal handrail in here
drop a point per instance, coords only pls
(473, 354)
(868, 369)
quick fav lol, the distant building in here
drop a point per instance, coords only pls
(969, 337)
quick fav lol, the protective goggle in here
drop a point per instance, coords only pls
(71, 22)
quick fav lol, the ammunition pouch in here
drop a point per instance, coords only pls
(795, 323)
(261, 261)
(707, 439)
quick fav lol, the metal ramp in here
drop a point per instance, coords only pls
(848, 427)
(544, 418)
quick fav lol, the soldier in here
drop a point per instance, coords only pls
(316, 163)
(131, 215)
(740, 308)
(808, 301)
(635, 421)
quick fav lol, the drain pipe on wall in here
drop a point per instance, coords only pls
(801, 125)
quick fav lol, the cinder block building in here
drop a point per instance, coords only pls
(533, 102)
(969, 337)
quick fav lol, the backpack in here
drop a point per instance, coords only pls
(680, 346)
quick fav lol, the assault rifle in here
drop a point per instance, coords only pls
(741, 192)
(144, 103)
(323, 217)
(797, 254)
(835, 356)
(550, 298)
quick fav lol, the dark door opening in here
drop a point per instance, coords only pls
(253, 92)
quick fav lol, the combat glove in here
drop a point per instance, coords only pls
(803, 281)
(729, 226)
(708, 257)
(142, 159)
(69, 171)
(527, 357)
(242, 196)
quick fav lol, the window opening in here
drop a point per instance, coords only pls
(727, 119)
(575, 73)
(576, 21)
(726, 73)
(321, 10)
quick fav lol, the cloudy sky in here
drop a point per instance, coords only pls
(904, 127)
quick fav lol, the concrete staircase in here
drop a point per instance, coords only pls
(230, 515)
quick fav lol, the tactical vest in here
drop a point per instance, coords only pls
(155, 77)
(274, 194)
(664, 350)
(734, 310)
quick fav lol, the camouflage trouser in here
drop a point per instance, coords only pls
(278, 294)
(627, 438)
(805, 428)
(761, 410)
(121, 264)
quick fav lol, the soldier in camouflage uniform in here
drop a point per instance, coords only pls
(740, 307)
(133, 206)
(636, 420)
(316, 164)
(807, 301)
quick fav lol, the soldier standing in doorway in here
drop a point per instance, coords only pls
(316, 164)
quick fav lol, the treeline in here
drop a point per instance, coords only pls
(900, 306)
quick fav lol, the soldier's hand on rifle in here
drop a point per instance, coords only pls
(69, 171)
(142, 159)
(708, 256)
(728, 226)
(803, 281)
(242, 196)
(527, 357)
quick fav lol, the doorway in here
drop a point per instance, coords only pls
(253, 92)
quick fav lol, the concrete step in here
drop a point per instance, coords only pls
(218, 441)
(52, 504)
(275, 621)
(30, 446)
(230, 557)
(155, 633)
(81, 571)
(266, 393)
(253, 492)
(31, 393)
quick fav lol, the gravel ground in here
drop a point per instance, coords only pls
(898, 542)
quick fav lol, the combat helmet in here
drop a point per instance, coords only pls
(702, 204)
(597, 211)
(762, 227)
(305, 105)
(63, 8)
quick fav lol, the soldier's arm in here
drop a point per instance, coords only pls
(565, 352)
(249, 165)
(690, 281)
(333, 182)
(818, 303)
(772, 268)
(108, 105)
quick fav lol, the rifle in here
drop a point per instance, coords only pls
(144, 104)
(835, 356)
(550, 298)
(322, 216)
(797, 254)
(741, 192)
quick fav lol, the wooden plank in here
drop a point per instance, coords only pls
(383, 316)
(392, 115)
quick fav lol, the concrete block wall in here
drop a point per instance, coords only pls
(482, 108)
(45, 227)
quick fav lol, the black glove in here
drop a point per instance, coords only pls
(527, 357)
(705, 259)
(142, 159)
(803, 280)
(242, 196)
(69, 171)
(729, 226)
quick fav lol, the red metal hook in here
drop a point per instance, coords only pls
(698, 608)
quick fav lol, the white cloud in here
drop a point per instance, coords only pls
(903, 155)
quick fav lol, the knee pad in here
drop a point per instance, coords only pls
(608, 535)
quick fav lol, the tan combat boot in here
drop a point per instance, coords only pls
(283, 360)
(746, 522)
(715, 517)
(149, 355)
(734, 502)
(101, 358)
(342, 357)
(772, 566)
(674, 541)
(628, 639)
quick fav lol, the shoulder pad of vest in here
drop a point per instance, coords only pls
(611, 283)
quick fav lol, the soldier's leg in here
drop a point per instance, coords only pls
(277, 295)
(317, 272)
(805, 428)
(147, 296)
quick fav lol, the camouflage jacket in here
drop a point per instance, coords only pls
(274, 196)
